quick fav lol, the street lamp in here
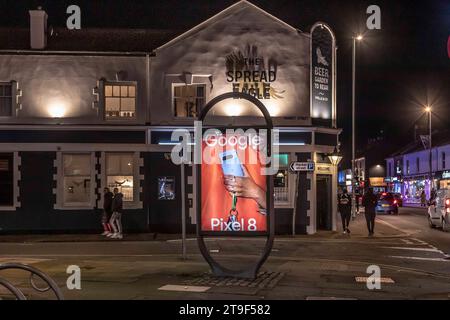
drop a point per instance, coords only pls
(428, 110)
(358, 37)
(335, 157)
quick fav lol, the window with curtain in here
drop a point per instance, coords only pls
(119, 173)
(77, 179)
(120, 100)
(281, 181)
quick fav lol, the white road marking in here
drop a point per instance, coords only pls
(23, 260)
(391, 225)
(421, 241)
(171, 287)
(421, 259)
(416, 249)
(407, 241)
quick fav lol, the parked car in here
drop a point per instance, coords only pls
(387, 203)
(399, 198)
(439, 210)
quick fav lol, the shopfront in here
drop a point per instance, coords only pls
(443, 179)
(378, 184)
(413, 188)
(394, 184)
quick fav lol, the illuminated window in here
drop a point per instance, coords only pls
(120, 100)
(188, 100)
(77, 179)
(119, 174)
(5, 100)
(6, 180)
(281, 181)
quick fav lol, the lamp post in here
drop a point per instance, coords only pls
(355, 38)
(428, 110)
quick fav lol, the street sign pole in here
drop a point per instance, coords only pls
(183, 213)
(294, 215)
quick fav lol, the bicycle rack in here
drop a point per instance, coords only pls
(51, 284)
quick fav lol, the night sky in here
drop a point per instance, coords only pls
(400, 68)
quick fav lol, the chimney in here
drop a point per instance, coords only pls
(38, 28)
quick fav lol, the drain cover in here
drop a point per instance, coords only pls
(264, 280)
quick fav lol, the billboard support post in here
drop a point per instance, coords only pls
(252, 270)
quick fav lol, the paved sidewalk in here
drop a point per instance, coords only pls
(323, 266)
(357, 227)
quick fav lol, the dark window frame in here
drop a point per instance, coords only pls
(7, 187)
(443, 160)
(7, 97)
(197, 107)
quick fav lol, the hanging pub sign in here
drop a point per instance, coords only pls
(322, 74)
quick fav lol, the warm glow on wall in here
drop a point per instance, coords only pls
(57, 108)
(272, 106)
(233, 109)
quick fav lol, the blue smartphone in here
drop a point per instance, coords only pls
(231, 165)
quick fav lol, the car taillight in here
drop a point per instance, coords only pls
(447, 203)
(395, 201)
(384, 193)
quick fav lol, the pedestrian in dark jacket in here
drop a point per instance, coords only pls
(107, 211)
(116, 218)
(345, 209)
(370, 202)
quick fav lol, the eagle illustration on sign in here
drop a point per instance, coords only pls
(320, 58)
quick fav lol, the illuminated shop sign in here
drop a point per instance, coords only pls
(249, 72)
(322, 69)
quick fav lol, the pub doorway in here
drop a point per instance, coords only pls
(323, 202)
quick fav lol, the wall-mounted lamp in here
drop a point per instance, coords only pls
(335, 157)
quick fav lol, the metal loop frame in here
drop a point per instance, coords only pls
(217, 269)
(33, 271)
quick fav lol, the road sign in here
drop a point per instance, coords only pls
(302, 166)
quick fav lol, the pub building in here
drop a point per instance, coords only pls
(85, 109)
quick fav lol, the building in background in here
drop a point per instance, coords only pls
(370, 168)
(408, 170)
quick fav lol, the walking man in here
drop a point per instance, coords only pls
(369, 203)
(116, 218)
(107, 211)
(345, 209)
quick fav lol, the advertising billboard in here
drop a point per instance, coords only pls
(233, 183)
(322, 74)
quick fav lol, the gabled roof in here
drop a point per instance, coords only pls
(242, 4)
(115, 39)
(89, 39)
(439, 138)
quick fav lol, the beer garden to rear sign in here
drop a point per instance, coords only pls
(296, 166)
